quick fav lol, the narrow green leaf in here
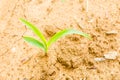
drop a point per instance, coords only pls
(34, 42)
(63, 0)
(64, 33)
(35, 30)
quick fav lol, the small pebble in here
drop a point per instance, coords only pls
(111, 55)
(99, 59)
(13, 49)
(25, 79)
(90, 21)
(111, 32)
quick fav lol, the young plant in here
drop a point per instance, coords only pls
(43, 43)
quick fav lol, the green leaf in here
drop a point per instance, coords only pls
(35, 30)
(64, 33)
(34, 42)
(63, 0)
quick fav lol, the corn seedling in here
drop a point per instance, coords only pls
(42, 42)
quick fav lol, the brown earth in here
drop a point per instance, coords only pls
(70, 58)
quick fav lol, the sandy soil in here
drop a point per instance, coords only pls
(71, 58)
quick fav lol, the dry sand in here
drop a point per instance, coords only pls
(70, 58)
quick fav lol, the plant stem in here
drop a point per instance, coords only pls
(46, 54)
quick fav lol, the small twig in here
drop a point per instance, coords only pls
(77, 22)
(25, 60)
(86, 5)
